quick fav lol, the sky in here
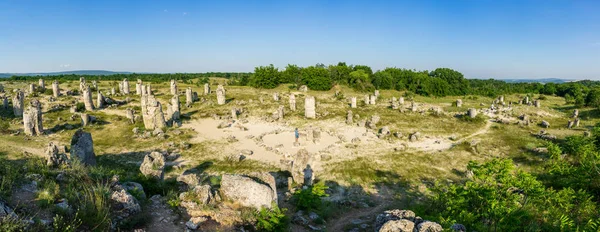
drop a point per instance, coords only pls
(480, 38)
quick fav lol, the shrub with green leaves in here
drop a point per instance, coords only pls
(310, 198)
(273, 219)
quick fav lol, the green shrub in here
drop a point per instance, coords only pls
(4, 125)
(273, 219)
(80, 107)
(310, 198)
(60, 223)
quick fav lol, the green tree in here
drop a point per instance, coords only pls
(265, 77)
(291, 74)
(316, 78)
(360, 81)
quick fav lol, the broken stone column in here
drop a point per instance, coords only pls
(206, 89)
(472, 113)
(353, 102)
(138, 87)
(401, 100)
(85, 119)
(394, 104)
(376, 94)
(570, 124)
(100, 100)
(367, 100)
(275, 96)
(575, 113)
(189, 99)
(81, 84)
(173, 87)
(220, 95)
(292, 102)
(526, 101)
(31, 88)
(301, 163)
(413, 107)
(95, 84)
(309, 107)
(125, 86)
(538, 103)
(152, 113)
(143, 90)
(42, 84)
(234, 113)
(17, 102)
(55, 155)
(372, 100)
(153, 165)
(112, 92)
(55, 89)
(32, 119)
(576, 122)
(82, 148)
(280, 112)
(148, 89)
(87, 99)
(195, 96)
(501, 99)
(349, 117)
(121, 87)
(458, 103)
(130, 115)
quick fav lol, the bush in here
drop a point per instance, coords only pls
(80, 107)
(4, 125)
(273, 219)
(310, 198)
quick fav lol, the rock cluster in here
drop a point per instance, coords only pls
(152, 113)
(406, 221)
(153, 165)
(56, 155)
(206, 89)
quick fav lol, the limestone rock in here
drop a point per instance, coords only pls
(17, 102)
(87, 98)
(302, 160)
(82, 148)
(220, 95)
(54, 156)
(124, 203)
(246, 191)
(428, 226)
(401, 225)
(292, 102)
(32, 119)
(153, 165)
(309, 107)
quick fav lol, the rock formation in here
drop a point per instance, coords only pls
(275, 96)
(152, 113)
(301, 161)
(349, 117)
(17, 102)
(173, 87)
(87, 98)
(82, 148)
(153, 165)
(220, 95)
(303, 88)
(100, 100)
(189, 99)
(42, 84)
(138, 87)
(173, 111)
(458, 103)
(372, 100)
(5, 104)
(309, 107)
(537, 103)
(55, 89)
(31, 88)
(472, 113)
(206, 89)
(353, 102)
(292, 102)
(32, 119)
(125, 86)
(55, 155)
(280, 112)
(130, 115)
(247, 192)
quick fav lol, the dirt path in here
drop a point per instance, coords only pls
(339, 223)
(484, 130)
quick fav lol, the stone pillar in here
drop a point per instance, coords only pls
(206, 89)
(95, 84)
(275, 96)
(576, 122)
(280, 112)
(42, 84)
(17, 102)
(472, 113)
(349, 117)
(538, 103)
(394, 103)
(353, 102)
(373, 99)
(458, 103)
(143, 90)
(148, 89)
(130, 115)
(367, 100)
(138, 87)
(87, 99)
(376, 94)
(100, 100)
(173, 87)
(175, 108)
(292, 102)
(401, 100)
(125, 86)
(112, 91)
(121, 87)
(309, 107)
(55, 89)
(220, 95)
(501, 98)
(526, 100)
(575, 113)
(32, 119)
(152, 113)
(413, 107)
(31, 88)
(85, 119)
(82, 148)
(570, 124)
(81, 84)
(234, 113)
(189, 99)
(195, 96)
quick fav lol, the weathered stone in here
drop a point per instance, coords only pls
(353, 102)
(55, 89)
(413, 107)
(5, 104)
(189, 99)
(125, 204)
(189, 177)
(55, 156)
(247, 192)
(393, 215)
(303, 88)
(349, 117)
(86, 119)
(18, 105)
(173, 110)
(280, 112)
(42, 84)
(401, 225)
(309, 107)
(276, 96)
(414, 136)
(472, 113)
(372, 100)
(385, 131)
(152, 113)
(545, 124)
(100, 100)
(292, 102)
(31, 89)
(135, 188)
(220, 95)
(458, 227)
(538, 103)
(125, 86)
(82, 148)
(112, 92)
(206, 89)
(570, 124)
(302, 160)
(87, 98)
(174, 87)
(575, 113)
(148, 89)
(428, 226)
(459, 103)
(153, 165)
(129, 114)
(138, 87)
(195, 222)
(401, 100)
(32, 119)
(372, 123)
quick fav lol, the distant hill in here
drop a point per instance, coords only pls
(76, 72)
(530, 80)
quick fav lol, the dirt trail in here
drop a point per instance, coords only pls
(339, 223)
(484, 130)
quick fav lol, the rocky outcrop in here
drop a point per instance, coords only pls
(82, 148)
(459, 103)
(42, 84)
(472, 113)
(153, 165)
(152, 113)
(138, 87)
(32, 119)
(55, 155)
(189, 99)
(247, 191)
(173, 110)
(349, 117)
(124, 204)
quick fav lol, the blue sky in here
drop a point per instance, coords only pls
(480, 38)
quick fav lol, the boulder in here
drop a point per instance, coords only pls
(124, 203)
(153, 165)
(401, 225)
(428, 226)
(246, 191)
(82, 148)
(135, 187)
(54, 157)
